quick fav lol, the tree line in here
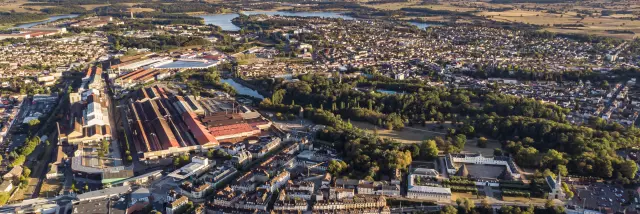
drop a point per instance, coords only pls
(159, 42)
(13, 18)
(532, 132)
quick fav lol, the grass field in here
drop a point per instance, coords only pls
(398, 6)
(592, 25)
(597, 25)
(456, 195)
(406, 135)
(417, 134)
(92, 6)
(13, 5)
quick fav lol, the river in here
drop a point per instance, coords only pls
(50, 19)
(224, 20)
(241, 89)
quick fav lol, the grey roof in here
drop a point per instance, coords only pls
(140, 193)
(94, 207)
(104, 193)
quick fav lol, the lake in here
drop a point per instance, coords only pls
(241, 89)
(421, 25)
(224, 20)
(50, 19)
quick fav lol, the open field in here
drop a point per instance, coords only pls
(417, 134)
(524, 200)
(92, 6)
(598, 25)
(13, 5)
(406, 135)
(592, 25)
(138, 10)
(51, 187)
(456, 195)
(398, 6)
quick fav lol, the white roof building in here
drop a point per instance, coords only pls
(197, 166)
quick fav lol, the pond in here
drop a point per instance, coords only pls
(224, 20)
(241, 89)
(50, 19)
(421, 25)
(388, 92)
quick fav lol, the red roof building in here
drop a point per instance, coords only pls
(199, 131)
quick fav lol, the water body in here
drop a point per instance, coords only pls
(421, 25)
(224, 20)
(50, 19)
(241, 89)
(388, 92)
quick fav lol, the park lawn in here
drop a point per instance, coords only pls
(456, 195)
(417, 133)
(524, 200)
(406, 135)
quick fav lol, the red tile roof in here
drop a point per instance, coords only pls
(197, 129)
(230, 129)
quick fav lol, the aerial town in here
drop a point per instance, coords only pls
(393, 106)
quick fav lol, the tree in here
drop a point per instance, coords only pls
(548, 204)
(336, 167)
(18, 161)
(468, 204)
(460, 140)
(429, 150)
(449, 210)
(562, 170)
(486, 204)
(497, 152)
(4, 197)
(603, 168)
(553, 158)
(468, 130)
(33, 123)
(482, 142)
(26, 172)
(527, 156)
(73, 187)
(415, 151)
(628, 169)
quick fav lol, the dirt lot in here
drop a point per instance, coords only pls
(51, 187)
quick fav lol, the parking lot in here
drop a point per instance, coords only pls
(599, 195)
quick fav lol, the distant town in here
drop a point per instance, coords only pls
(315, 107)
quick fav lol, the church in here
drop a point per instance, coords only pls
(556, 188)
